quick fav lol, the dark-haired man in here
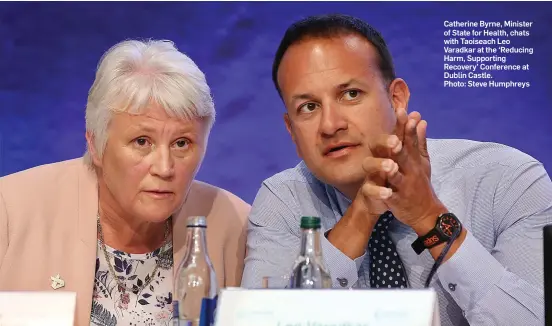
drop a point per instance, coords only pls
(394, 206)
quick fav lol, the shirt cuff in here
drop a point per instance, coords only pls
(342, 269)
(470, 273)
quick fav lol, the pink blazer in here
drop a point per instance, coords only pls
(48, 227)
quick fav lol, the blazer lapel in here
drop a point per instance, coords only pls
(199, 202)
(179, 239)
(193, 205)
(85, 263)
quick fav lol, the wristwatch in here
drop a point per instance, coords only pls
(447, 224)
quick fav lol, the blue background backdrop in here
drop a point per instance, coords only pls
(49, 52)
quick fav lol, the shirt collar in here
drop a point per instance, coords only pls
(342, 201)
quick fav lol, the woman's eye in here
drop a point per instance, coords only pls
(141, 142)
(182, 143)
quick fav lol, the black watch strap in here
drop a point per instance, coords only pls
(427, 241)
(441, 233)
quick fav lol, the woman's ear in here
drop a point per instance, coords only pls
(92, 150)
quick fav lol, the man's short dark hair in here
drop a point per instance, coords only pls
(332, 25)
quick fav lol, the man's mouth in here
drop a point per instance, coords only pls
(339, 149)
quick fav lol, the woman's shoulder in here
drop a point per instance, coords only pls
(219, 197)
(209, 200)
(42, 174)
(37, 186)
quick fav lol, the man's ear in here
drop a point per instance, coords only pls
(289, 127)
(92, 150)
(399, 94)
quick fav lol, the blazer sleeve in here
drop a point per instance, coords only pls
(3, 229)
(234, 249)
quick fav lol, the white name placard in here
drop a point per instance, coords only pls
(37, 308)
(241, 307)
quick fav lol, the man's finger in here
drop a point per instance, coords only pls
(375, 165)
(375, 192)
(421, 130)
(411, 138)
(395, 180)
(402, 119)
(385, 146)
(415, 115)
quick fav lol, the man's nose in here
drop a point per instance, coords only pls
(332, 120)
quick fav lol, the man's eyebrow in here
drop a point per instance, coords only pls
(304, 96)
(348, 83)
(342, 86)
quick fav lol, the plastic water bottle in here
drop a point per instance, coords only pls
(308, 270)
(196, 290)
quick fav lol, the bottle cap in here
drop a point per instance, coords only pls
(310, 222)
(197, 221)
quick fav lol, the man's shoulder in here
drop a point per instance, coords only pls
(296, 190)
(463, 153)
(294, 184)
(298, 174)
(287, 195)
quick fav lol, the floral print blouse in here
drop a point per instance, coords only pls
(113, 305)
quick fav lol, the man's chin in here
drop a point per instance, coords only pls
(342, 177)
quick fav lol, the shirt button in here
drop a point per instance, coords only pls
(343, 281)
(452, 286)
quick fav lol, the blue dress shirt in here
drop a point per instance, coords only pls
(502, 196)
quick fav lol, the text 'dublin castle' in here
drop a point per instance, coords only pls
(477, 52)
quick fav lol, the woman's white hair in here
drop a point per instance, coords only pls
(133, 75)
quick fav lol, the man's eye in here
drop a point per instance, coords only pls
(307, 107)
(351, 95)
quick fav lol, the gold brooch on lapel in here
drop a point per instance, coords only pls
(57, 282)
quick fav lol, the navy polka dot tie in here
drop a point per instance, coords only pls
(386, 269)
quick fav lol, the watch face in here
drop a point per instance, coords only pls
(448, 224)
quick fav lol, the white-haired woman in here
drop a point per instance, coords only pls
(111, 226)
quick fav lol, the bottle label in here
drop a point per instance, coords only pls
(208, 311)
(175, 313)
